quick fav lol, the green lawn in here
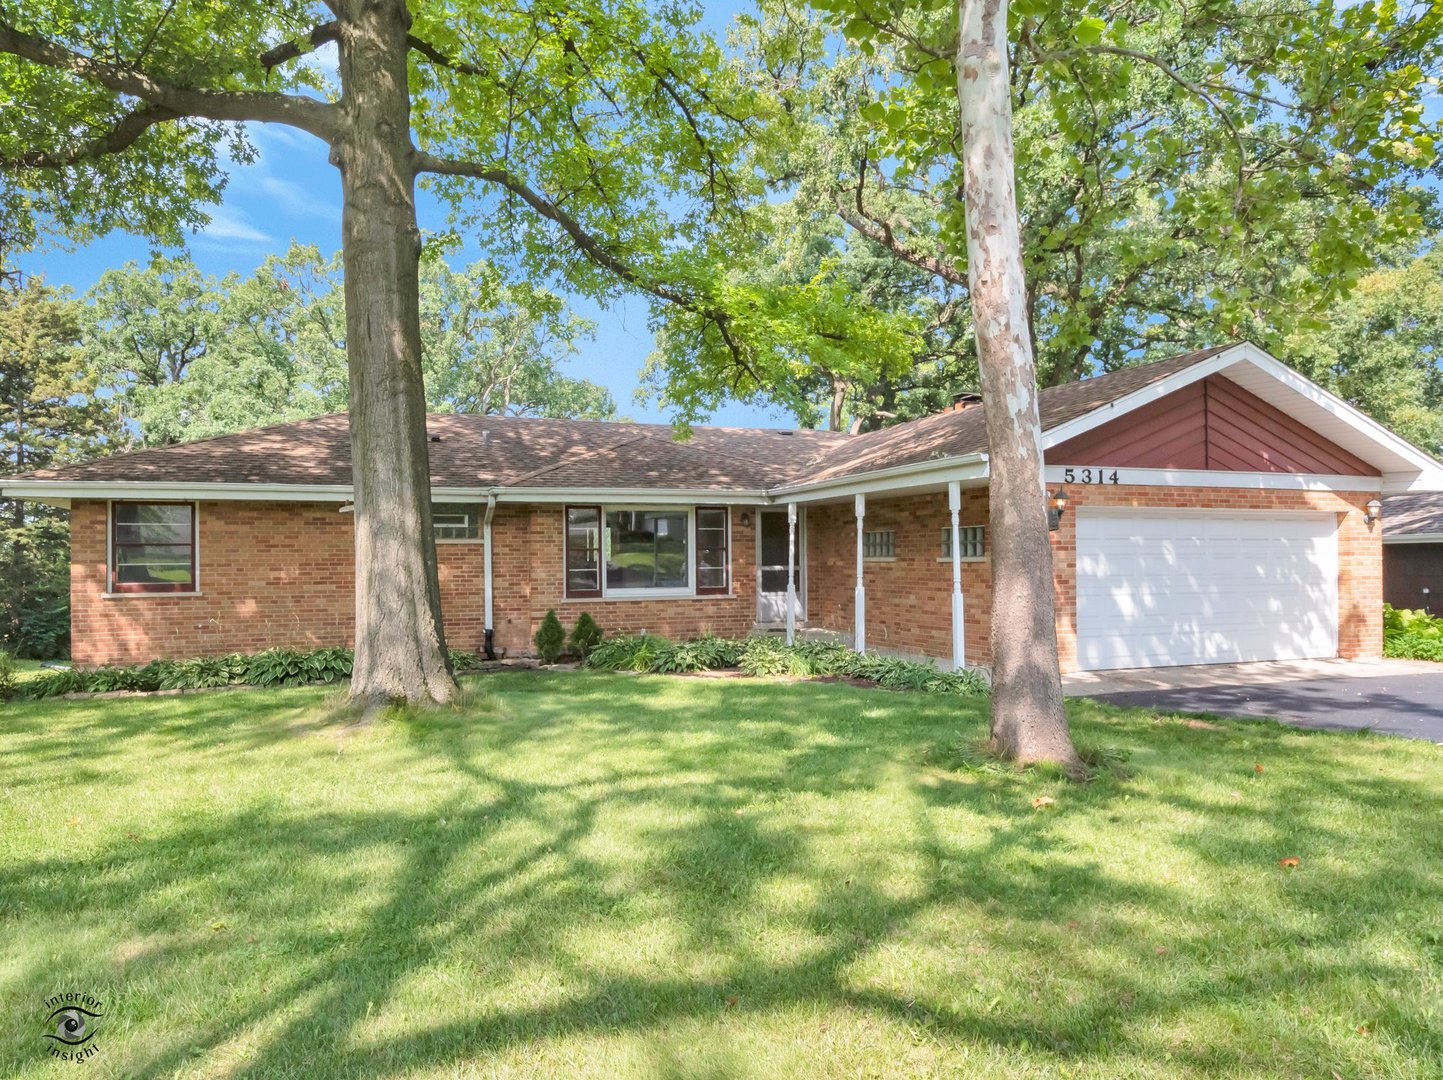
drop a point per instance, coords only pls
(585, 874)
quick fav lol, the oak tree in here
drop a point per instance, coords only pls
(603, 130)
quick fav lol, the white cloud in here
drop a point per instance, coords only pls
(226, 225)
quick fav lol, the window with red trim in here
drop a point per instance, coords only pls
(713, 550)
(152, 547)
(583, 551)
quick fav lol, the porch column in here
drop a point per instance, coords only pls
(791, 573)
(489, 628)
(859, 633)
(959, 646)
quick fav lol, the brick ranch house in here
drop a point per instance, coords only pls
(1219, 508)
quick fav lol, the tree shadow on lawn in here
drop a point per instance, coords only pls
(621, 892)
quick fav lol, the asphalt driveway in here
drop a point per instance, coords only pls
(1402, 704)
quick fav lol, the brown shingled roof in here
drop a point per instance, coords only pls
(1418, 513)
(502, 451)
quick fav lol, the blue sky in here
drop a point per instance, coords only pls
(291, 192)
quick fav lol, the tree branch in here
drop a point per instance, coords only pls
(880, 233)
(437, 57)
(310, 115)
(589, 246)
(1196, 89)
(130, 127)
(320, 35)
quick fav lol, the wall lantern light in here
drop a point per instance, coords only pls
(1375, 512)
(746, 520)
(1056, 507)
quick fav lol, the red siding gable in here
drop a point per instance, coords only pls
(1210, 424)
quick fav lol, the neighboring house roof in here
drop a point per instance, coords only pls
(523, 454)
(1415, 516)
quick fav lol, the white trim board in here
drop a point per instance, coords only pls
(1411, 538)
(1259, 481)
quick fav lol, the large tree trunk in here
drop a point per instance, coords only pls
(1029, 723)
(400, 645)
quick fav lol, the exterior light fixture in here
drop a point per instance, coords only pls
(1375, 512)
(1056, 507)
(746, 520)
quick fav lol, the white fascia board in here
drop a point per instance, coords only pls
(1396, 483)
(1412, 538)
(1354, 418)
(1259, 481)
(616, 496)
(972, 467)
(129, 489)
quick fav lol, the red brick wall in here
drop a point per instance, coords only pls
(909, 600)
(280, 574)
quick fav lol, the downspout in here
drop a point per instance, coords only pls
(486, 558)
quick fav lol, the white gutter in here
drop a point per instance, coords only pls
(941, 471)
(1412, 538)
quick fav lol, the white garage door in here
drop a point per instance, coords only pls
(1160, 589)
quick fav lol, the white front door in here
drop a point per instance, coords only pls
(772, 532)
(1176, 587)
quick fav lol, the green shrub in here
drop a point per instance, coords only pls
(585, 635)
(550, 638)
(767, 656)
(1412, 635)
(55, 683)
(8, 681)
(330, 665)
(200, 672)
(707, 653)
(630, 652)
(462, 660)
(277, 667)
(1413, 647)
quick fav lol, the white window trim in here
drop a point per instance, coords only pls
(670, 592)
(141, 594)
(479, 538)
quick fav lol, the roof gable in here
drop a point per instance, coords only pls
(1212, 424)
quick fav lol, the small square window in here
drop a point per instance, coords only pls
(972, 539)
(881, 544)
(453, 521)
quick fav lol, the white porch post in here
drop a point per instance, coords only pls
(959, 646)
(489, 626)
(791, 573)
(859, 633)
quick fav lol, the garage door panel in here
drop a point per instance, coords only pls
(1156, 589)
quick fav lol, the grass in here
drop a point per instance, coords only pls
(583, 874)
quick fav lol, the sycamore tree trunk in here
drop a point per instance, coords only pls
(400, 645)
(1028, 721)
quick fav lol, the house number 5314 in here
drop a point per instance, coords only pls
(1089, 476)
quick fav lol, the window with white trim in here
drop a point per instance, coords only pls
(880, 544)
(972, 539)
(456, 522)
(152, 547)
(647, 549)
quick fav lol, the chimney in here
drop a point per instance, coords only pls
(963, 401)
